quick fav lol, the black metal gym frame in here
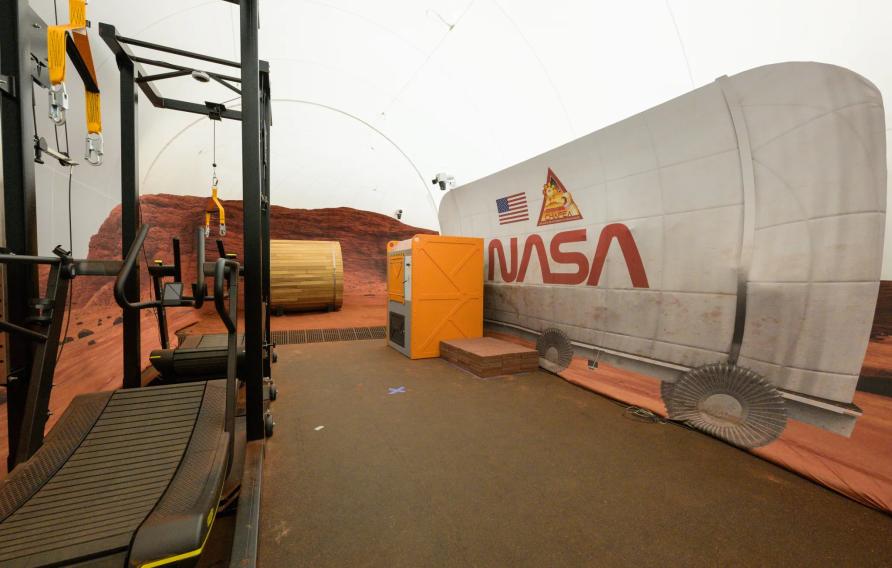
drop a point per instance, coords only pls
(23, 62)
(19, 206)
(256, 120)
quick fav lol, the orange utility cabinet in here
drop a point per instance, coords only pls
(434, 292)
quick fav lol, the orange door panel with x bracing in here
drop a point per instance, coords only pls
(396, 290)
(447, 291)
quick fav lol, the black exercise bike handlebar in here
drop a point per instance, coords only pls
(127, 269)
(200, 288)
(226, 272)
(221, 275)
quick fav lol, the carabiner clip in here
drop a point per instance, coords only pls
(58, 97)
(94, 150)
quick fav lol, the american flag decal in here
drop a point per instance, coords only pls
(513, 208)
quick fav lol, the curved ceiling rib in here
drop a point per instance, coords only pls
(421, 178)
(397, 147)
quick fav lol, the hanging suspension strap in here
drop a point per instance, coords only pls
(213, 204)
(72, 39)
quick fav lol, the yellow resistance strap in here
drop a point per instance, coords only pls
(94, 113)
(57, 35)
(214, 206)
(57, 38)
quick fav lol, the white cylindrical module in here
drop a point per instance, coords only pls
(741, 223)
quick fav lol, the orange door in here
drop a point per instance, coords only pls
(447, 292)
(395, 278)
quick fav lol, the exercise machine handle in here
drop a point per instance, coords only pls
(225, 270)
(127, 269)
(200, 288)
(177, 267)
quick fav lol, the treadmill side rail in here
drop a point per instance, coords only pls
(247, 521)
(181, 522)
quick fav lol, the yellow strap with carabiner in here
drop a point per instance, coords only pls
(57, 39)
(94, 113)
(214, 205)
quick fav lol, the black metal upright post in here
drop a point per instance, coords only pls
(130, 215)
(19, 202)
(265, 124)
(43, 367)
(253, 229)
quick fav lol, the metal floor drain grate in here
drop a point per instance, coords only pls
(297, 336)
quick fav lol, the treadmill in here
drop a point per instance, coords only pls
(131, 477)
(197, 355)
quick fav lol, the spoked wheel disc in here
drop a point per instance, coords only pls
(729, 402)
(555, 351)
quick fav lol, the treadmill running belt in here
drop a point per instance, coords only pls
(198, 357)
(99, 497)
(209, 342)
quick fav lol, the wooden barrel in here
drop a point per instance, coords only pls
(306, 275)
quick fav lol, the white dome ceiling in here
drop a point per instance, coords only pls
(372, 99)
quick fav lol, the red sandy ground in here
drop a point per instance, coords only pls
(357, 311)
(363, 236)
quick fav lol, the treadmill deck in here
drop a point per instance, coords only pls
(99, 475)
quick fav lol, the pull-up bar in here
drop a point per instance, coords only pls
(175, 67)
(177, 51)
(120, 47)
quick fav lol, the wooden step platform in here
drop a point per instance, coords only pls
(488, 356)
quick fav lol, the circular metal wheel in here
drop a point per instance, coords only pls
(273, 392)
(268, 424)
(729, 402)
(555, 351)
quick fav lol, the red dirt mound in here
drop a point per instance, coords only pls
(363, 236)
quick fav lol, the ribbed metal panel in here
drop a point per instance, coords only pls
(298, 336)
(101, 495)
(62, 441)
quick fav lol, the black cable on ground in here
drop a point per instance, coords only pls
(639, 414)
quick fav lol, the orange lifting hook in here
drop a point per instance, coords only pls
(214, 206)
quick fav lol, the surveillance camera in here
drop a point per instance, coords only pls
(444, 180)
(398, 214)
